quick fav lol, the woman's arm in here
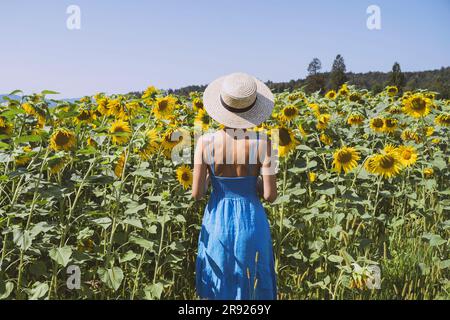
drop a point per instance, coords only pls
(200, 178)
(268, 173)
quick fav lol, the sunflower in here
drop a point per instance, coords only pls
(354, 97)
(395, 110)
(163, 107)
(184, 176)
(391, 90)
(390, 125)
(322, 121)
(428, 172)
(325, 139)
(202, 119)
(5, 127)
(408, 155)
(331, 94)
(386, 164)
(355, 119)
(408, 135)
(29, 108)
(91, 142)
(311, 176)
(116, 108)
(295, 96)
(150, 93)
(343, 91)
(23, 159)
(84, 115)
(443, 120)
(118, 168)
(286, 141)
(103, 105)
(428, 131)
(150, 146)
(56, 165)
(417, 106)
(197, 104)
(305, 129)
(289, 113)
(62, 139)
(345, 158)
(120, 132)
(168, 140)
(377, 124)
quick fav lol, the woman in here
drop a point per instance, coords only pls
(235, 258)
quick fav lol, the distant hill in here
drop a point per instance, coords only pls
(434, 80)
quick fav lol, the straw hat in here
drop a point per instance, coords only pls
(238, 100)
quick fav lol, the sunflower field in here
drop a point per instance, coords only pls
(88, 188)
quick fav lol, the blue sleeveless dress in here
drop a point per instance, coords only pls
(235, 258)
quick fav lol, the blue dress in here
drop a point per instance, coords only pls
(235, 258)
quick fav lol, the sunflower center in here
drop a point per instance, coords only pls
(61, 139)
(185, 176)
(285, 137)
(162, 105)
(406, 154)
(344, 157)
(390, 123)
(387, 162)
(289, 112)
(199, 105)
(378, 123)
(418, 104)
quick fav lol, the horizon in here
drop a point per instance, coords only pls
(125, 47)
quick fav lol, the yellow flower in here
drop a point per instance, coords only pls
(386, 164)
(29, 108)
(289, 113)
(331, 94)
(443, 120)
(62, 139)
(150, 93)
(355, 119)
(197, 104)
(311, 177)
(408, 155)
(390, 125)
(408, 135)
(91, 142)
(56, 165)
(119, 167)
(377, 124)
(354, 97)
(83, 116)
(286, 141)
(391, 90)
(202, 119)
(428, 172)
(151, 144)
(120, 132)
(163, 107)
(417, 106)
(24, 158)
(322, 121)
(345, 159)
(343, 91)
(103, 105)
(184, 176)
(325, 139)
(5, 128)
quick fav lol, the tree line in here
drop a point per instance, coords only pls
(434, 80)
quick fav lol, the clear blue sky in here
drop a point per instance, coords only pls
(127, 45)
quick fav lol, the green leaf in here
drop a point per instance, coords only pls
(434, 239)
(143, 243)
(128, 256)
(38, 290)
(22, 239)
(282, 199)
(153, 291)
(104, 222)
(111, 277)
(5, 289)
(335, 258)
(135, 208)
(45, 92)
(135, 222)
(61, 255)
(28, 138)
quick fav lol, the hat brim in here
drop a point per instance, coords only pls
(260, 112)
